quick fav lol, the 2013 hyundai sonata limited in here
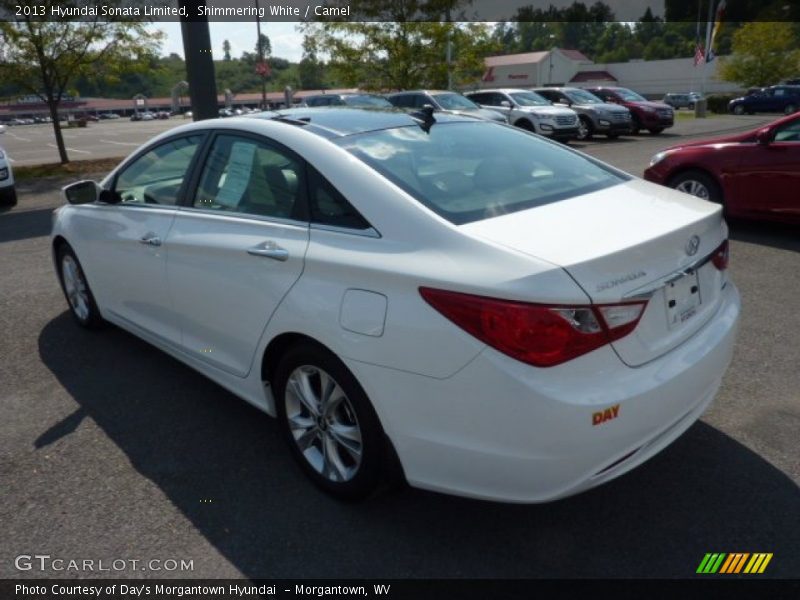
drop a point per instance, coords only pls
(500, 316)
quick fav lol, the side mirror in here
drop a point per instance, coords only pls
(81, 192)
(764, 137)
(505, 104)
(88, 191)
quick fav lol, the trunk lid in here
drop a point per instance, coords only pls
(632, 240)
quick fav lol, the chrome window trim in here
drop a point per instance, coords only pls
(370, 232)
(239, 216)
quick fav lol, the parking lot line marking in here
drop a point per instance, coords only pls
(120, 143)
(16, 137)
(71, 149)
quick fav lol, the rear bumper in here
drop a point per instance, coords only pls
(502, 430)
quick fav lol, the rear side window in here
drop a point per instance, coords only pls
(329, 207)
(467, 172)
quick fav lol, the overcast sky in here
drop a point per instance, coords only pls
(286, 42)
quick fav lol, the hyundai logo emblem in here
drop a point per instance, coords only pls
(692, 245)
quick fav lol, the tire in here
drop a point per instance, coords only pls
(76, 289)
(8, 196)
(790, 108)
(738, 109)
(656, 130)
(317, 400)
(698, 183)
(526, 125)
(585, 129)
(636, 126)
(612, 136)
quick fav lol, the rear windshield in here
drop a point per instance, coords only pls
(468, 172)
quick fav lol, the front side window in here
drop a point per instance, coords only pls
(472, 171)
(244, 175)
(156, 177)
(630, 95)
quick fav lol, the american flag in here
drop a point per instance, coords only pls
(699, 55)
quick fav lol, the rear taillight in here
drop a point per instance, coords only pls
(538, 334)
(720, 256)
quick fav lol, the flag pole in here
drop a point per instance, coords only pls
(709, 21)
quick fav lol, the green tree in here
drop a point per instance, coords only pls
(402, 54)
(311, 71)
(763, 52)
(263, 46)
(46, 58)
(226, 51)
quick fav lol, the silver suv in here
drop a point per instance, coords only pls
(444, 101)
(596, 116)
(530, 111)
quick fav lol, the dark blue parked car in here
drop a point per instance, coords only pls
(778, 98)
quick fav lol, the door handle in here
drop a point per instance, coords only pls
(151, 239)
(269, 250)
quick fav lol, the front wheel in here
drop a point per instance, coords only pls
(738, 109)
(585, 129)
(697, 184)
(790, 108)
(656, 130)
(328, 422)
(76, 289)
(8, 196)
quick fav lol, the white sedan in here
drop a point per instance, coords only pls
(500, 316)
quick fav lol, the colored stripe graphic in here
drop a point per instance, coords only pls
(711, 563)
(758, 563)
(733, 563)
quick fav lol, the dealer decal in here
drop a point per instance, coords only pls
(602, 416)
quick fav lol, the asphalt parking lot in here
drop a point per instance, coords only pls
(35, 144)
(110, 449)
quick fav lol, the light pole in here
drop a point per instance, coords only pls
(449, 50)
(199, 62)
(262, 66)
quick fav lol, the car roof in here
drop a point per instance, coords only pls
(501, 90)
(422, 92)
(333, 122)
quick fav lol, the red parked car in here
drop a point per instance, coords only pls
(647, 114)
(755, 174)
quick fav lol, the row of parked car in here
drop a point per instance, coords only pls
(561, 113)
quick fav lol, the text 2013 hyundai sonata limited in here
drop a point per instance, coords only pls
(503, 317)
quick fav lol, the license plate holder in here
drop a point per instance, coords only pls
(682, 297)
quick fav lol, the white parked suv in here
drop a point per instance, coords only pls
(528, 110)
(8, 194)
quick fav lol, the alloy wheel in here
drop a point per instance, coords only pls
(693, 187)
(75, 286)
(323, 423)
